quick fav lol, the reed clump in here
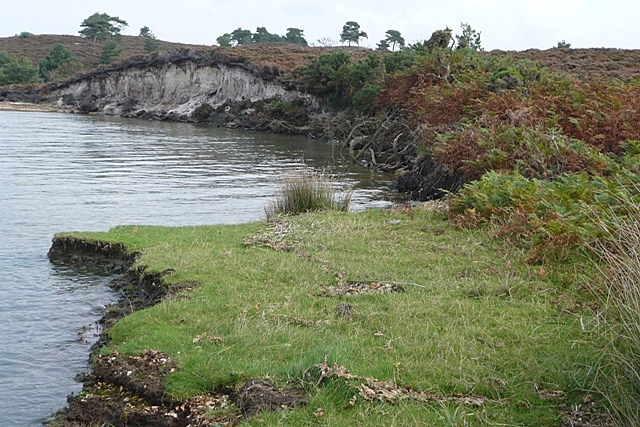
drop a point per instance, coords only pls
(302, 190)
(619, 250)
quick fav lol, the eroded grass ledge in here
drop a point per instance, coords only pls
(473, 324)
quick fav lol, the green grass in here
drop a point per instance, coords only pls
(480, 321)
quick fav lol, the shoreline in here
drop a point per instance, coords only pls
(137, 291)
(30, 107)
(132, 388)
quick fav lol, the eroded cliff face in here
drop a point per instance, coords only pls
(170, 88)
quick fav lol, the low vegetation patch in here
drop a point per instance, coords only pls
(466, 335)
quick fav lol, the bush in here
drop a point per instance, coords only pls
(305, 190)
(14, 70)
(59, 62)
(337, 78)
(364, 100)
(110, 51)
(512, 76)
(326, 76)
(550, 218)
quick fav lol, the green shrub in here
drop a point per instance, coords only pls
(327, 76)
(404, 58)
(110, 52)
(551, 218)
(337, 78)
(364, 100)
(514, 75)
(59, 62)
(14, 70)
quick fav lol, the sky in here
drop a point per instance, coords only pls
(503, 24)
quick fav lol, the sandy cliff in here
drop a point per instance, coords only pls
(172, 86)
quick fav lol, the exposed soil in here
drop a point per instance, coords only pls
(130, 391)
(256, 396)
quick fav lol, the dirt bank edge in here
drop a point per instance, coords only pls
(105, 397)
(129, 390)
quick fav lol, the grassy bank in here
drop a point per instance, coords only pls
(393, 316)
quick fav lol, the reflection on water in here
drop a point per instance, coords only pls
(65, 172)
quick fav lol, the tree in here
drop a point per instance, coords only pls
(151, 44)
(100, 26)
(240, 36)
(14, 70)
(296, 36)
(146, 32)
(394, 38)
(470, 38)
(109, 52)
(383, 45)
(440, 39)
(224, 40)
(351, 33)
(563, 45)
(58, 62)
(263, 36)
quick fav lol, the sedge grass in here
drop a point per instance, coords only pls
(303, 189)
(619, 251)
(481, 322)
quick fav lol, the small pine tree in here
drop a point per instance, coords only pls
(296, 36)
(563, 45)
(110, 51)
(351, 33)
(470, 38)
(14, 70)
(394, 38)
(224, 40)
(151, 44)
(383, 45)
(57, 63)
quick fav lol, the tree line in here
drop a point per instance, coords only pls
(240, 36)
(106, 29)
(60, 61)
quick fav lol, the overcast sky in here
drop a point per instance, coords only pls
(504, 24)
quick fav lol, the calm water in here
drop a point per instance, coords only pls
(65, 172)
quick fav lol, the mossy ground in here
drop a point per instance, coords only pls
(473, 319)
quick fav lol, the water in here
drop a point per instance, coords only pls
(64, 173)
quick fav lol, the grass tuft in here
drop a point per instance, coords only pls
(620, 251)
(305, 190)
